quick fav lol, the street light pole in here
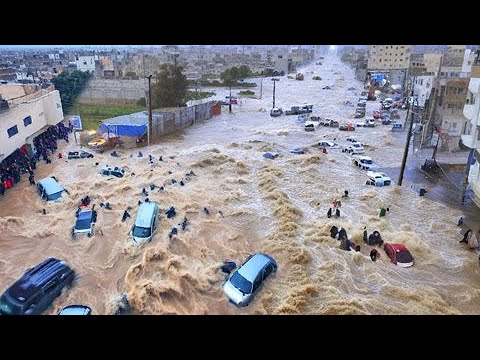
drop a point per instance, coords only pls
(230, 99)
(149, 130)
(274, 81)
(407, 143)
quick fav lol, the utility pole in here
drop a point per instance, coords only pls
(230, 98)
(149, 130)
(274, 81)
(261, 87)
(407, 143)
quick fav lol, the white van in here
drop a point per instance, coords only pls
(145, 222)
(49, 189)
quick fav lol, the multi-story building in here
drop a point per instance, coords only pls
(445, 85)
(86, 63)
(386, 57)
(20, 124)
(471, 111)
(392, 61)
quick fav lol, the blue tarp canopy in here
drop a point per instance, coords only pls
(126, 125)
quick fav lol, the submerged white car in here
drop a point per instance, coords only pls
(354, 148)
(328, 144)
(364, 162)
(378, 179)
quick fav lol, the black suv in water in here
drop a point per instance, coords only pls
(37, 288)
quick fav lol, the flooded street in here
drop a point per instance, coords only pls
(255, 205)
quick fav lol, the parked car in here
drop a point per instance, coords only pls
(397, 126)
(49, 189)
(328, 144)
(85, 223)
(398, 254)
(359, 112)
(378, 179)
(330, 123)
(35, 291)
(114, 171)
(79, 155)
(244, 283)
(386, 121)
(297, 110)
(354, 148)
(276, 112)
(311, 125)
(76, 310)
(353, 140)
(348, 127)
(334, 123)
(377, 114)
(369, 122)
(387, 103)
(364, 162)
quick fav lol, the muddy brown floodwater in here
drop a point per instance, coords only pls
(256, 204)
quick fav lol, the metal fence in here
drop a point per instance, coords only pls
(168, 122)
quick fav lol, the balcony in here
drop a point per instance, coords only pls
(468, 111)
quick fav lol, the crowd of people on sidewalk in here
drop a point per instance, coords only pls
(24, 160)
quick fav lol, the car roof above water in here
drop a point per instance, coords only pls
(36, 277)
(85, 215)
(145, 214)
(50, 185)
(253, 265)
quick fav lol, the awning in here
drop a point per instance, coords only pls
(126, 125)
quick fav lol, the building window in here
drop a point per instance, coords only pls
(27, 121)
(460, 91)
(12, 131)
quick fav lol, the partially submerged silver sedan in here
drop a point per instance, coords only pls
(242, 285)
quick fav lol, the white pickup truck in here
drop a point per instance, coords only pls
(378, 179)
(364, 162)
(354, 148)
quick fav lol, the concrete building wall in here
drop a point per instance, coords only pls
(385, 57)
(423, 88)
(112, 90)
(432, 62)
(44, 111)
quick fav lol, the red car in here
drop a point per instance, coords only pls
(377, 114)
(399, 254)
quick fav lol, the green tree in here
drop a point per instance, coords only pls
(231, 76)
(70, 85)
(170, 89)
